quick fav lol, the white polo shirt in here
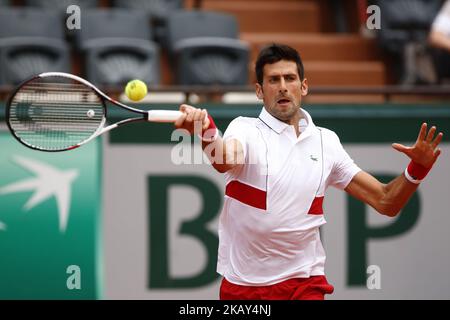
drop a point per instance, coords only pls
(442, 21)
(269, 225)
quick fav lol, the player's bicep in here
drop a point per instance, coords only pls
(366, 188)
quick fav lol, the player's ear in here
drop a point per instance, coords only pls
(304, 87)
(259, 91)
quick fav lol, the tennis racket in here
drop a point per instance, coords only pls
(57, 111)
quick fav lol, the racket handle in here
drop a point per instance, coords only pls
(163, 115)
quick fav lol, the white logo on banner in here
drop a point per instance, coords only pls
(49, 181)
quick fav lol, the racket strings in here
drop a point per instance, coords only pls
(55, 113)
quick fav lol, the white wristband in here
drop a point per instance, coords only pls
(411, 179)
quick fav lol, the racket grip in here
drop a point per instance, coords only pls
(163, 115)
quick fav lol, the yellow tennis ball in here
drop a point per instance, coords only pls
(136, 90)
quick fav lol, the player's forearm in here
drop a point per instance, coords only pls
(399, 191)
(223, 156)
(439, 40)
(387, 199)
(396, 195)
(215, 151)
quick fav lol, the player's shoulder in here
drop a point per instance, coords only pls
(331, 140)
(240, 126)
(328, 133)
(244, 122)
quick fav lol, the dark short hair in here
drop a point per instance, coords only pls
(274, 53)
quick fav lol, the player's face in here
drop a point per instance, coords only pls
(282, 89)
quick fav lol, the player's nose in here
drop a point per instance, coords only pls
(283, 87)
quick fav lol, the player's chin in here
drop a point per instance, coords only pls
(285, 108)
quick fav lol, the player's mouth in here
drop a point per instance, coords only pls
(283, 101)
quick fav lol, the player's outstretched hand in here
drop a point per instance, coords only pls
(425, 151)
(193, 119)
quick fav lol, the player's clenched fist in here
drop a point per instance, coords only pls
(193, 119)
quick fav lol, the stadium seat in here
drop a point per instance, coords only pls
(405, 27)
(207, 52)
(30, 43)
(293, 16)
(117, 48)
(157, 10)
(61, 4)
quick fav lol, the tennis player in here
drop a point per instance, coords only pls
(277, 168)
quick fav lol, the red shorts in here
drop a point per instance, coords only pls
(313, 288)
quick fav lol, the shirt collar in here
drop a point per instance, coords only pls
(278, 126)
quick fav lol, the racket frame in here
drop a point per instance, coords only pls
(150, 115)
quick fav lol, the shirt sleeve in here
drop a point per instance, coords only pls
(237, 129)
(442, 21)
(344, 168)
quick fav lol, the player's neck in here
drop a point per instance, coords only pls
(295, 120)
